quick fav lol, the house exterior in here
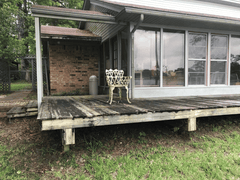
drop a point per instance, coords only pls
(74, 56)
(169, 47)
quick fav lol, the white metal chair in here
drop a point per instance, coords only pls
(115, 79)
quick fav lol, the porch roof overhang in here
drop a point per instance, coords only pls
(178, 19)
(71, 14)
(170, 17)
(152, 16)
(55, 32)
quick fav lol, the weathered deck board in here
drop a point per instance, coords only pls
(45, 110)
(83, 111)
(32, 104)
(135, 118)
(101, 108)
(152, 106)
(16, 110)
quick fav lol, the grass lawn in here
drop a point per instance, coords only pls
(135, 151)
(20, 85)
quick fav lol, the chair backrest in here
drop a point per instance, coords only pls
(114, 77)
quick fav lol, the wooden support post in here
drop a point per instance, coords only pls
(192, 124)
(66, 148)
(68, 137)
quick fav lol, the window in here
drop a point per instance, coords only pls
(219, 52)
(146, 58)
(197, 53)
(173, 59)
(235, 61)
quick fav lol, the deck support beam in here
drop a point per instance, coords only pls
(68, 138)
(192, 124)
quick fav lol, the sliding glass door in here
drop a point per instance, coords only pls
(173, 70)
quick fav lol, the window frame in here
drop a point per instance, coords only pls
(219, 60)
(195, 59)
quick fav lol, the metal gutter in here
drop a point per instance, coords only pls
(86, 6)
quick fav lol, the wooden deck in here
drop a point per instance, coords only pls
(67, 113)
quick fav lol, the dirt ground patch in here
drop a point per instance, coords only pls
(43, 148)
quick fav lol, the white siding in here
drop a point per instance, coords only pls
(193, 6)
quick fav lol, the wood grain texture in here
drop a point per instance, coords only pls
(135, 118)
(86, 111)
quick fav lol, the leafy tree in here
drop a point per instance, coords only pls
(17, 28)
(11, 46)
(29, 39)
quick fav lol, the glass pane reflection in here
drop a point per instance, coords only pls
(197, 46)
(196, 72)
(218, 69)
(173, 59)
(197, 58)
(219, 44)
(218, 47)
(146, 58)
(235, 61)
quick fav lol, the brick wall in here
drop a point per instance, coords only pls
(71, 65)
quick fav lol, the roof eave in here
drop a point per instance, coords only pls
(40, 12)
(224, 2)
(186, 16)
(62, 37)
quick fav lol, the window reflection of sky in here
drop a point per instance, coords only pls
(144, 50)
(173, 48)
(146, 58)
(218, 47)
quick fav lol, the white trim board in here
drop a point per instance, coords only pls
(149, 92)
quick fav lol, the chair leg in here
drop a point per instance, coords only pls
(112, 88)
(127, 94)
(120, 93)
(109, 95)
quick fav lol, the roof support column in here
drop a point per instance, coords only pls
(39, 61)
(131, 60)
